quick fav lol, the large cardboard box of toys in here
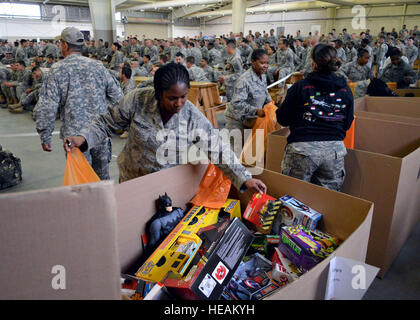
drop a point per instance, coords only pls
(82, 238)
(399, 109)
(383, 167)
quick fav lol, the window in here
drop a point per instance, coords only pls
(19, 10)
(118, 16)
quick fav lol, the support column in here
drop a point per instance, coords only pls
(171, 27)
(238, 16)
(331, 12)
(102, 13)
(404, 12)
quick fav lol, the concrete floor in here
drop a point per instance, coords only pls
(45, 170)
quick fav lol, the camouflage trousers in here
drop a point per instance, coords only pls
(99, 158)
(318, 162)
(29, 101)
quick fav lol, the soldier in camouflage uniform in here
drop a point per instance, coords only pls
(411, 51)
(8, 59)
(50, 49)
(272, 39)
(117, 59)
(399, 71)
(32, 50)
(80, 87)
(30, 97)
(215, 57)
(357, 70)
(196, 73)
(151, 50)
(21, 53)
(284, 64)
(246, 52)
(380, 55)
(341, 54)
(351, 52)
(250, 94)
(5, 76)
(318, 111)
(209, 72)
(195, 52)
(232, 71)
(128, 83)
(161, 122)
(19, 83)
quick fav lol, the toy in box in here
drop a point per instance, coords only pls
(306, 248)
(293, 212)
(284, 272)
(207, 279)
(251, 280)
(261, 212)
(178, 250)
(264, 244)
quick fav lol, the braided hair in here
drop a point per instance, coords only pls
(168, 76)
(326, 59)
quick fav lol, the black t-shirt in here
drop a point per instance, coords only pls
(317, 108)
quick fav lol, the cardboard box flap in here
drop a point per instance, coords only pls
(385, 116)
(136, 204)
(395, 139)
(60, 244)
(403, 106)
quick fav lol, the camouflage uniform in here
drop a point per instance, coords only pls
(210, 75)
(196, 53)
(80, 87)
(46, 64)
(215, 57)
(232, 74)
(128, 86)
(355, 72)
(284, 64)
(259, 41)
(273, 41)
(92, 50)
(411, 52)
(139, 114)
(146, 83)
(380, 57)
(13, 77)
(318, 162)
(246, 53)
(153, 52)
(31, 52)
(250, 95)
(204, 52)
(117, 59)
(50, 49)
(341, 54)
(140, 72)
(397, 73)
(351, 54)
(197, 74)
(24, 84)
(29, 101)
(21, 54)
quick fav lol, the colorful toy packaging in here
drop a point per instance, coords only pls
(261, 212)
(251, 280)
(284, 272)
(293, 212)
(305, 248)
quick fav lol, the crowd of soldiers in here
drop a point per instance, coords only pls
(213, 59)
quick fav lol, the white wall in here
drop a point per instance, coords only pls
(180, 31)
(389, 17)
(13, 29)
(159, 31)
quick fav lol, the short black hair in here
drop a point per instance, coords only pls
(146, 56)
(395, 52)
(256, 54)
(231, 43)
(361, 52)
(205, 59)
(117, 45)
(23, 41)
(22, 63)
(163, 57)
(126, 71)
(179, 54)
(190, 59)
(169, 75)
(36, 68)
(50, 56)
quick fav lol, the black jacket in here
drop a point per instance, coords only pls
(317, 108)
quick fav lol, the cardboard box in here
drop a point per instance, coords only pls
(384, 168)
(389, 108)
(75, 227)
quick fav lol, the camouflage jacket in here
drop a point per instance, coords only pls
(21, 54)
(235, 69)
(128, 86)
(285, 59)
(397, 73)
(351, 54)
(215, 57)
(210, 75)
(355, 72)
(117, 59)
(197, 74)
(153, 146)
(341, 54)
(196, 53)
(81, 87)
(250, 94)
(411, 52)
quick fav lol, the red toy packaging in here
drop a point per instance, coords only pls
(261, 212)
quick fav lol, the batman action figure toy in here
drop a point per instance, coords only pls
(163, 222)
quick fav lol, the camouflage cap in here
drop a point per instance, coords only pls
(72, 35)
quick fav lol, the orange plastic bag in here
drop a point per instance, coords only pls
(349, 140)
(268, 124)
(213, 190)
(78, 169)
